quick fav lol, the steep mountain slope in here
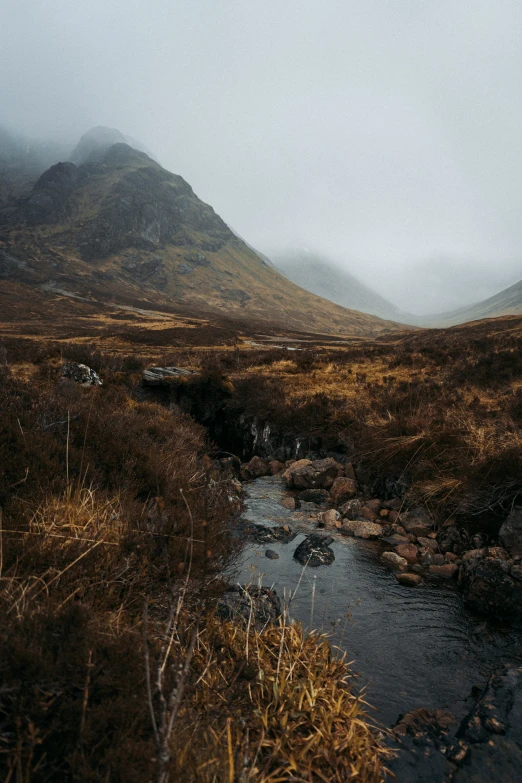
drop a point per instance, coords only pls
(506, 302)
(320, 276)
(120, 225)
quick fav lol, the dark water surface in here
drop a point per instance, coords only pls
(413, 647)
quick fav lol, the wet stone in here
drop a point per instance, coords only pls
(265, 535)
(271, 554)
(361, 528)
(315, 551)
(409, 580)
(392, 560)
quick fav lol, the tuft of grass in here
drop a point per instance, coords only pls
(288, 713)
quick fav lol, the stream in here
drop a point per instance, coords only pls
(412, 647)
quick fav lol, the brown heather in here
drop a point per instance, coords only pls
(438, 412)
(111, 550)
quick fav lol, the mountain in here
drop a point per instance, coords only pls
(119, 226)
(319, 275)
(506, 302)
(98, 140)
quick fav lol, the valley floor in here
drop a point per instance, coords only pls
(116, 529)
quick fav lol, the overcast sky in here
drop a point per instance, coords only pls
(386, 134)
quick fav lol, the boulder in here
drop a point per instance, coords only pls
(319, 496)
(330, 518)
(271, 554)
(288, 502)
(394, 516)
(393, 560)
(408, 552)
(368, 513)
(327, 470)
(294, 466)
(410, 580)
(375, 505)
(488, 586)
(275, 467)
(80, 373)
(510, 534)
(351, 510)
(418, 522)
(254, 607)
(361, 528)
(429, 543)
(343, 489)
(447, 571)
(306, 474)
(256, 468)
(315, 551)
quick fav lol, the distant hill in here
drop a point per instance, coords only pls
(119, 225)
(506, 302)
(321, 276)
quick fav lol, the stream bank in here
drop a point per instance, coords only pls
(412, 647)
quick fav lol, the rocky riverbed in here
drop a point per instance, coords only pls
(427, 662)
(327, 493)
(413, 648)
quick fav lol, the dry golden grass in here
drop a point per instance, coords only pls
(287, 710)
(262, 707)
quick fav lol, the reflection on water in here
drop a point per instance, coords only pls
(413, 648)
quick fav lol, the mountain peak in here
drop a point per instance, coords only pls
(119, 225)
(96, 140)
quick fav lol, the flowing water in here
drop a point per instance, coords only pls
(412, 647)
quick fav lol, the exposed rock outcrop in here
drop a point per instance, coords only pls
(80, 373)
